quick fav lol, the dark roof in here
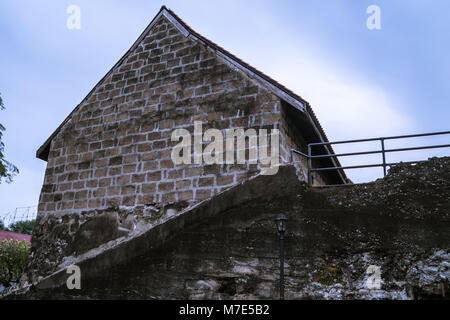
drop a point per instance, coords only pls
(284, 93)
(8, 235)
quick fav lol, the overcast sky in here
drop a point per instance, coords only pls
(361, 83)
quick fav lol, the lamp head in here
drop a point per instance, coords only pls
(281, 222)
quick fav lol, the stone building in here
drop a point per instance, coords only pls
(114, 149)
(115, 205)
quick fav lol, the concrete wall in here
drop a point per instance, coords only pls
(227, 247)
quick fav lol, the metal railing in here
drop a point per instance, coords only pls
(310, 157)
(19, 214)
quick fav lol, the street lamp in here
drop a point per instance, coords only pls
(281, 222)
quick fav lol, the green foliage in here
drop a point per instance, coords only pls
(13, 259)
(25, 227)
(7, 169)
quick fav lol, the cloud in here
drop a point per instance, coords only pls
(347, 105)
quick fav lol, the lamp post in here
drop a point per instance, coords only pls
(281, 221)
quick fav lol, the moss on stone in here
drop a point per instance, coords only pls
(328, 275)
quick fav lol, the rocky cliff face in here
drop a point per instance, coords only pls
(383, 240)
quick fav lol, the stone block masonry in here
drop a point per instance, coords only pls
(115, 150)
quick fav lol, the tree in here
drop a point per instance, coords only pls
(2, 226)
(7, 169)
(25, 227)
(13, 259)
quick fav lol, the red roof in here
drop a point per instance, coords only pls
(8, 235)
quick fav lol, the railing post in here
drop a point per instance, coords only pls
(384, 156)
(309, 165)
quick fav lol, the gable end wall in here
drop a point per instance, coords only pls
(115, 150)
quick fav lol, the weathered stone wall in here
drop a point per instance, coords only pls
(116, 150)
(227, 247)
